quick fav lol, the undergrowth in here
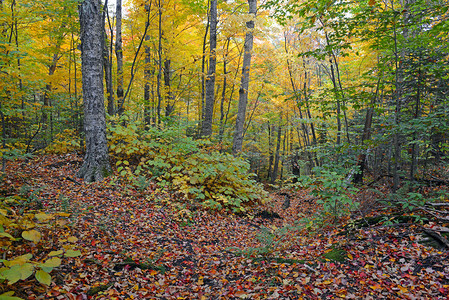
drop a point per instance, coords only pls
(191, 168)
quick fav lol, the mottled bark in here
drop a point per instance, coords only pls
(96, 160)
(243, 91)
(206, 124)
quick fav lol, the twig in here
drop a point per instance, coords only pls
(436, 236)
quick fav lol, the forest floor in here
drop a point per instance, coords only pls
(139, 245)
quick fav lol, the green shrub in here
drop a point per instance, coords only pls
(191, 168)
(332, 190)
(21, 237)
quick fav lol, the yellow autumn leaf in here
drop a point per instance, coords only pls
(43, 217)
(55, 253)
(32, 235)
(51, 263)
(72, 239)
(20, 260)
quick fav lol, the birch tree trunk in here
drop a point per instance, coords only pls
(96, 160)
(243, 92)
(206, 124)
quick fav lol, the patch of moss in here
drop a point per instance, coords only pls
(336, 254)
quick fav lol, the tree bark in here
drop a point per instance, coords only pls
(107, 61)
(361, 161)
(159, 63)
(243, 91)
(223, 93)
(169, 106)
(274, 174)
(203, 66)
(119, 56)
(206, 124)
(148, 73)
(96, 160)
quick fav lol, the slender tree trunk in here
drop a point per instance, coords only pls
(270, 150)
(147, 74)
(283, 154)
(2, 119)
(244, 86)
(361, 161)
(274, 174)
(398, 95)
(96, 160)
(169, 107)
(107, 61)
(334, 83)
(231, 94)
(159, 63)
(206, 124)
(119, 56)
(223, 93)
(415, 147)
(203, 68)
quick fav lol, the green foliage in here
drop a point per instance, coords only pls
(64, 142)
(336, 254)
(9, 296)
(270, 239)
(333, 192)
(180, 164)
(26, 230)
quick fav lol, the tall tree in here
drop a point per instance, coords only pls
(96, 160)
(206, 125)
(119, 55)
(244, 85)
(107, 59)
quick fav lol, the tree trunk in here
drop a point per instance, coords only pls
(274, 174)
(159, 63)
(119, 55)
(206, 124)
(243, 91)
(415, 146)
(147, 75)
(96, 160)
(358, 176)
(203, 66)
(223, 93)
(107, 61)
(169, 106)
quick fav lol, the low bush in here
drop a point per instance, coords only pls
(192, 168)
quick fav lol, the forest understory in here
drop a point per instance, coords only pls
(147, 244)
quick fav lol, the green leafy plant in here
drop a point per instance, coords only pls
(28, 228)
(192, 168)
(270, 239)
(333, 192)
